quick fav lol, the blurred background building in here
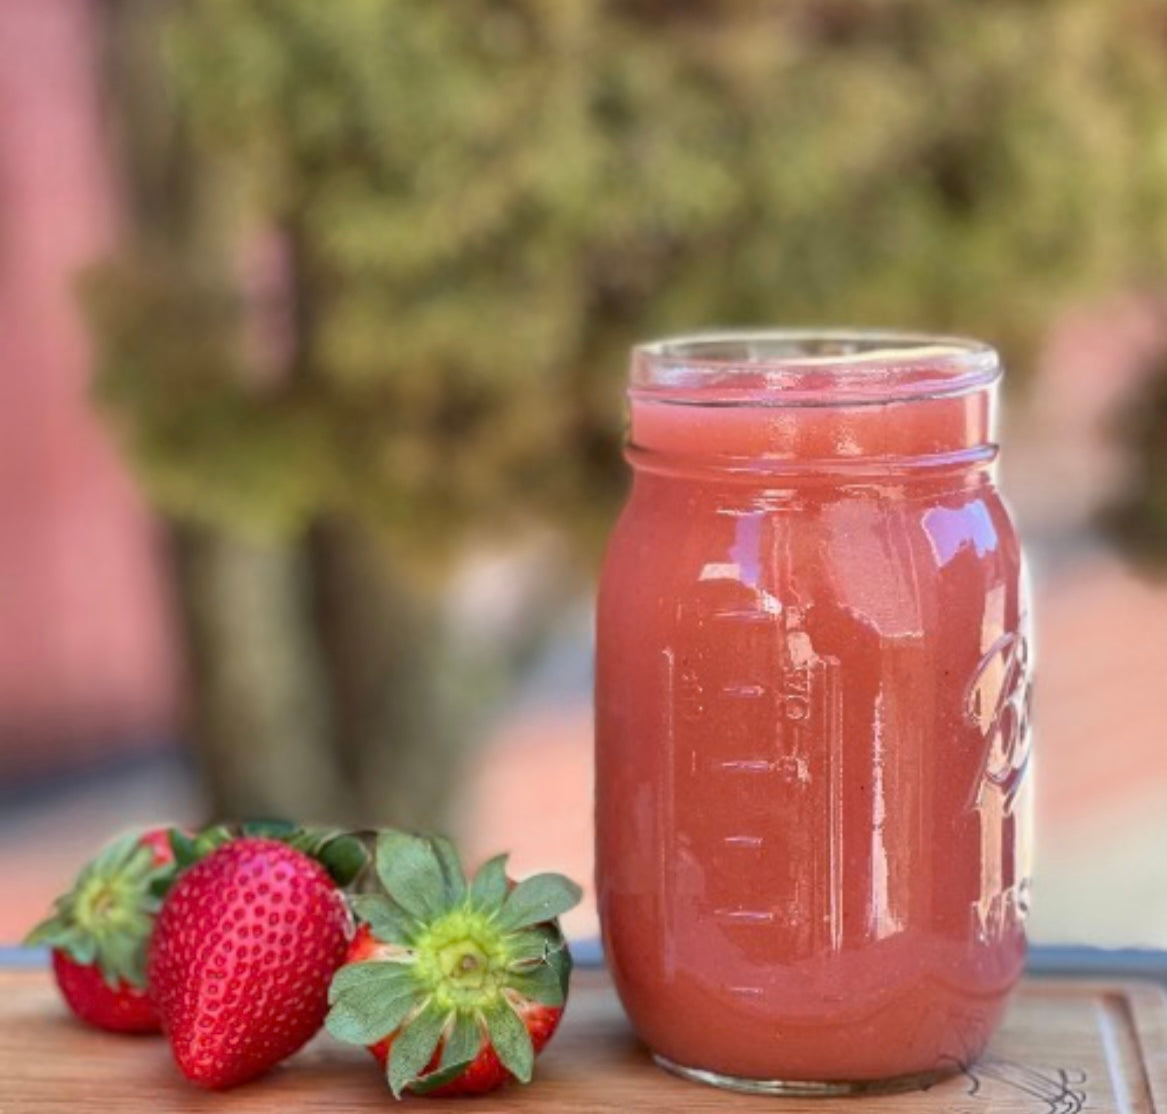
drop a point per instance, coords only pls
(313, 321)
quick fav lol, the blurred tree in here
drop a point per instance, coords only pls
(387, 255)
(1139, 518)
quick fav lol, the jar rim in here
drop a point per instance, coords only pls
(809, 367)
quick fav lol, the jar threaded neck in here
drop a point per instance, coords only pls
(752, 403)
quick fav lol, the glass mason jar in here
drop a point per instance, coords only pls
(812, 712)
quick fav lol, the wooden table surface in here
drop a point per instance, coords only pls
(1068, 1045)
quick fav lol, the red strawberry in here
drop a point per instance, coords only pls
(241, 959)
(454, 987)
(99, 930)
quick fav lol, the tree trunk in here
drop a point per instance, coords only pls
(261, 705)
(399, 727)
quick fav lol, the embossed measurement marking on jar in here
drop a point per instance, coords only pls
(772, 775)
(792, 767)
(743, 840)
(746, 991)
(749, 916)
(747, 765)
(744, 690)
(746, 615)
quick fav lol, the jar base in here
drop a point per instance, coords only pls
(804, 1088)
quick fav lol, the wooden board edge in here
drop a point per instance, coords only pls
(1147, 1003)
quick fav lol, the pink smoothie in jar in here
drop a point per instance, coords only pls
(812, 709)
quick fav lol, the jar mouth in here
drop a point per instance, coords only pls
(809, 367)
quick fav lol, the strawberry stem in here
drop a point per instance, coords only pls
(462, 959)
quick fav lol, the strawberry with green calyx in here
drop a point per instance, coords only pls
(243, 952)
(454, 986)
(100, 929)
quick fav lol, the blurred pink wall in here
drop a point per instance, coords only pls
(87, 658)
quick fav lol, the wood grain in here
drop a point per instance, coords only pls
(1067, 1046)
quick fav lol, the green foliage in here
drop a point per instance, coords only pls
(483, 203)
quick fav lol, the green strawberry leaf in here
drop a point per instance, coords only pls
(311, 840)
(136, 965)
(561, 962)
(532, 945)
(344, 857)
(490, 883)
(82, 948)
(540, 984)
(271, 828)
(464, 1041)
(511, 1040)
(462, 1045)
(183, 848)
(389, 922)
(122, 957)
(451, 869)
(46, 933)
(117, 856)
(410, 869)
(439, 1077)
(370, 1000)
(378, 975)
(340, 852)
(539, 898)
(210, 839)
(414, 1048)
(542, 944)
(350, 1027)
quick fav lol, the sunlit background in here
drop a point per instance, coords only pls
(313, 321)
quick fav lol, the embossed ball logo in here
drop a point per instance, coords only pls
(998, 704)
